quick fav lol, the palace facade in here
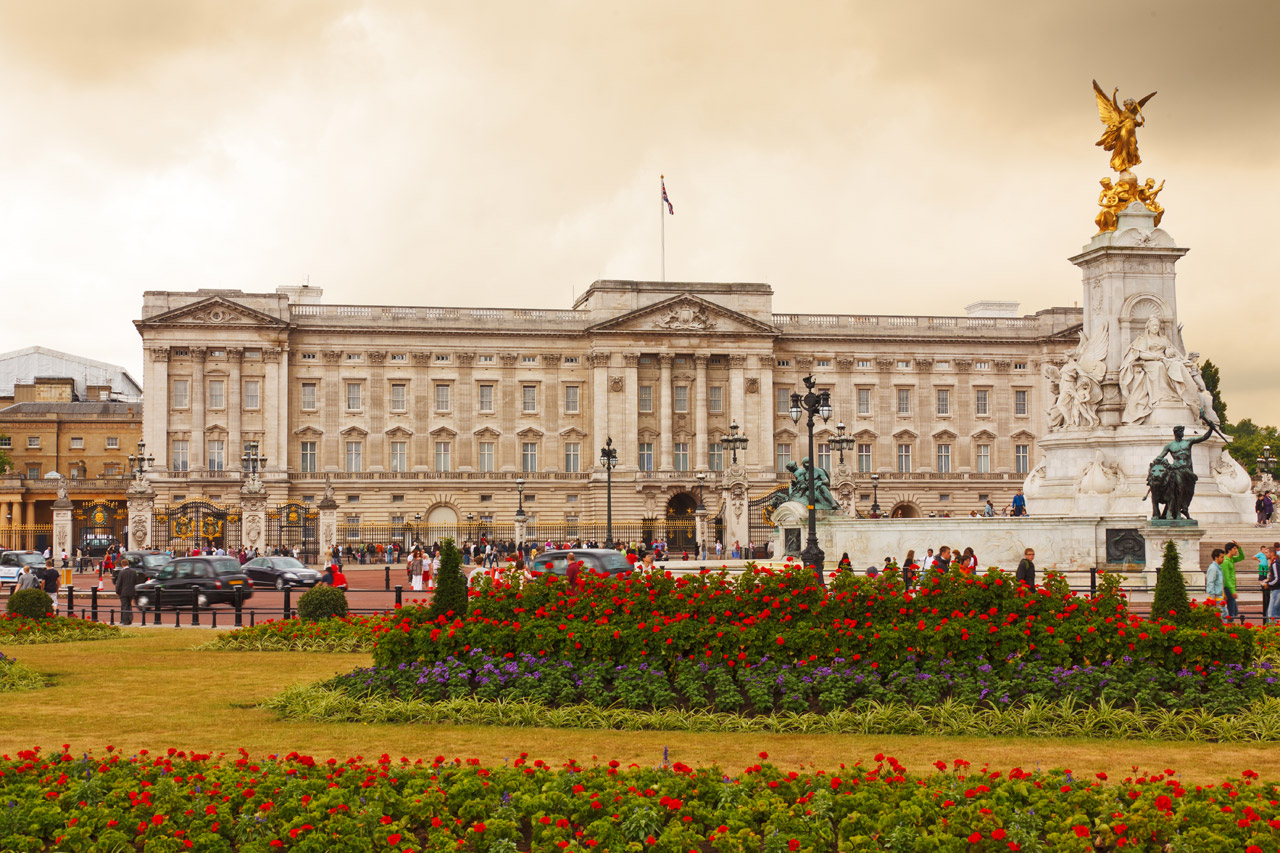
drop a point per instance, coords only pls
(429, 416)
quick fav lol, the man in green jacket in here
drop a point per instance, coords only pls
(1229, 578)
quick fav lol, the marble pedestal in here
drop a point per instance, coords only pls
(1186, 538)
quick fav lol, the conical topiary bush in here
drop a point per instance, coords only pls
(1171, 602)
(451, 585)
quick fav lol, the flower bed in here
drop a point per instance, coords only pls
(785, 616)
(768, 686)
(14, 676)
(178, 801)
(349, 634)
(21, 631)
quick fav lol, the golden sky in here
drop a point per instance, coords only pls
(859, 157)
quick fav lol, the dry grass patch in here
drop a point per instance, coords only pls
(152, 690)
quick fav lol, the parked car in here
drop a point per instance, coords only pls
(11, 563)
(96, 547)
(280, 572)
(204, 581)
(148, 563)
(600, 560)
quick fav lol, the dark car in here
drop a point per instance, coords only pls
(148, 563)
(203, 581)
(280, 572)
(96, 547)
(599, 560)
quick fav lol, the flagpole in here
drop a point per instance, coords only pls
(662, 215)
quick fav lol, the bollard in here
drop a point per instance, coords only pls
(1093, 580)
(386, 580)
(93, 602)
(239, 606)
(213, 617)
(251, 612)
(195, 606)
(399, 590)
(140, 610)
(177, 616)
(287, 595)
(113, 617)
(71, 600)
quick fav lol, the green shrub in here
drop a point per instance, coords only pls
(451, 586)
(31, 603)
(322, 602)
(1171, 602)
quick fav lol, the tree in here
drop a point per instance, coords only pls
(1212, 377)
(1247, 441)
(451, 585)
(1171, 602)
(6, 461)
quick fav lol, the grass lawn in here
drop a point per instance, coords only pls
(150, 690)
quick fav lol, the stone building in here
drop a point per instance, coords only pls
(427, 417)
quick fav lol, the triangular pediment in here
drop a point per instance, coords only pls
(686, 314)
(214, 311)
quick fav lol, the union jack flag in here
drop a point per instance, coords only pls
(670, 209)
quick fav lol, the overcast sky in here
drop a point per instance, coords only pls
(859, 157)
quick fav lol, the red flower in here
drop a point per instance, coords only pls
(393, 838)
(1081, 831)
(997, 834)
(975, 838)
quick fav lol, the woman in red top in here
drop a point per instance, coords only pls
(339, 579)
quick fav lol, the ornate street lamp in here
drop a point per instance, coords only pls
(417, 536)
(1267, 461)
(252, 461)
(733, 441)
(608, 460)
(875, 495)
(812, 403)
(842, 442)
(141, 461)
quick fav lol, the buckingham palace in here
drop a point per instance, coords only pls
(430, 416)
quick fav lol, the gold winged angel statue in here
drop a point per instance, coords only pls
(1121, 135)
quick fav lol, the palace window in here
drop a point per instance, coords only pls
(864, 401)
(680, 456)
(824, 362)
(571, 406)
(572, 457)
(782, 398)
(486, 456)
(77, 444)
(252, 397)
(486, 398)
(944, 459)
(1019, 402)
(399, 396)
(180, 458)
(644, 398)
(180, 400)
(904, 458)
(863, 363)
(904, 401)
(6, 441)
(824, 456)
(217, 455)
(529, 456)
(399, 356)
(1021, 458)
(442, 398)
(113, 442)
(308, 396)
(354, 401)
(572, 359)
(984, 459)
(904, 364)
(307, 457)
(217, 394)
(529, 399)
(484, 359)
(681, 398)
(443, 461)
(944, 401)
(784, 362)
(355, 456)
(715, 399)
(1019, 365)
(982, 365)
(782, 455)
(528, 359)
(864, 458)
(981, 402)
(645, 460)
(400, 456)
(715, 456)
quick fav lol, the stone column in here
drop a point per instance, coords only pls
(464, 412)
(700, 533)
(700, 413)
(551, 407)
(61, 528)
(29, 538)
(275, 408)
(737, 385)
(628, 442)
(142, 499)
(733, 495)
(512, 403)
(155, 414)
(235, 407)
(253, 514)
(599, 401)
(665, 423)
(196, 459)
(762, 443)
(328, 511)
(332, 405)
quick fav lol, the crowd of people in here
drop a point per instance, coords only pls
(1221, 585)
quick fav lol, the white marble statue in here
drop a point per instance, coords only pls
(1155, 371)
(1076, 389)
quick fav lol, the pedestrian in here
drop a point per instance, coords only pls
(1271, 585)
(909, 569)
(572, 568)
(1019, 504)
(646, 561)
(126, 589)
(1264, 558)
(969, 560)
(27, 580)
(1257, 508)
(942, 561)
(415, 572)
(51, 583)
(1232, 551)
(845, 562)
(1026, 573)
(326, 579)
(339, 579)
(989, 511)
(1213, 581)
(66, 559)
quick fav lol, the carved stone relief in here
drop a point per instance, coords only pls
(753, 385)
(617, 383)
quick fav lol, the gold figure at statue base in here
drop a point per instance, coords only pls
(1114, 198)
(1121, 138)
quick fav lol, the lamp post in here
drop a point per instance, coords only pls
(875, 495)
(417, 536)
(1267, 461)
(251, 461)
(812, 403)
(733, 441)
(520, 516)
(141, 461)
(842, 442)
(608, 460)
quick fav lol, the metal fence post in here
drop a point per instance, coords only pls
(251, 612)
(93, 603)
(386, 580)
(71, 600)
(195, 607)
(1093, 580)
(239, 605)
(399, 590)
(287, 595)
